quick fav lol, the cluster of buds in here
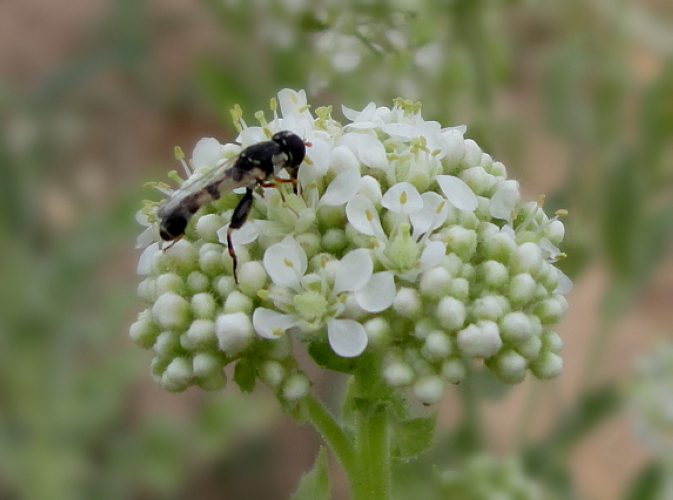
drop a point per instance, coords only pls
(403, 240)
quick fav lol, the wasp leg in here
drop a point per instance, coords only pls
(171, 244)
(293, 178)
(238, 218)
(276, 182)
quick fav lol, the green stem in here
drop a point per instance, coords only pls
(333, 435)
(374, 456)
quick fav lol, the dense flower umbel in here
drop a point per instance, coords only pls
(404, 239)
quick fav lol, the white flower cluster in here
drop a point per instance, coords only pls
(403, 239)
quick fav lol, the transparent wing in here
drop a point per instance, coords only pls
(198, 182)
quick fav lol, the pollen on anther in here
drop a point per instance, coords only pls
(277, 331)
(440, 207)
(369, 215)
(404, 197)
(288, 263)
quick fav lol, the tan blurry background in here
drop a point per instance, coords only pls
(575, 97)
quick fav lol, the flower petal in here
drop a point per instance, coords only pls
(434, 213)
(347, 337)
(458, 192)
(342, 188)
(355, 269)
(564, 283)
(145, 261)
(245, 235)
(342, 158)
(146, 237)
(378, 294)
(367, 149)
(402, 198)
(363, 216)
(292, 103)
(432, 255)
(207, 152)
(271, 324)
(285, 262)
(504, 202)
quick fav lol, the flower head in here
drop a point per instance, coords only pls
(402, 238)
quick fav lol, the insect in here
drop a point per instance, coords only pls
(256, 165)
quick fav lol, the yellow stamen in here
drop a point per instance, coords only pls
(540, 200)
(288, 263)
(404, 197)
(179, 154)
(260, 118)
(561, 212)
(273, 104)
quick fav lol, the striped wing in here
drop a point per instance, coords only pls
(219, 176)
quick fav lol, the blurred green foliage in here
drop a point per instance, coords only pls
(69, 427)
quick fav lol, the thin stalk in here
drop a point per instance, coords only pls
(333, 435)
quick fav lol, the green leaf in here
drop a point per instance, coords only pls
(244, 374)
(324, 356)
(315, 484)
(412, 436)
(648, 484)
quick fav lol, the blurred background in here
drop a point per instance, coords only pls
(575, 97)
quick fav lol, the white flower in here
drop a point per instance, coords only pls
(404, 252)
(311, 301)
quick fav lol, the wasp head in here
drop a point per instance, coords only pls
(292, 145)
(172, 226)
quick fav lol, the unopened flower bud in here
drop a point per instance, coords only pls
(408, 303)
(204, 305)
(522, 290)
(272, 373)
(205, 364)
(208, 225)
(234, 332)
(435, 282)
(450, 313)
(453, 370)
(296, 387)
(197, 282)
(171, 311)
(510, 366)
(516, 327)
(437, 346)
(527, 258)
(480, 339)
(170, 282)
(429, 390)
(238, 302)
(398, 374)
(177, 376)
(548, 365)
(144, 331)
(201, 334)
(252, 277)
